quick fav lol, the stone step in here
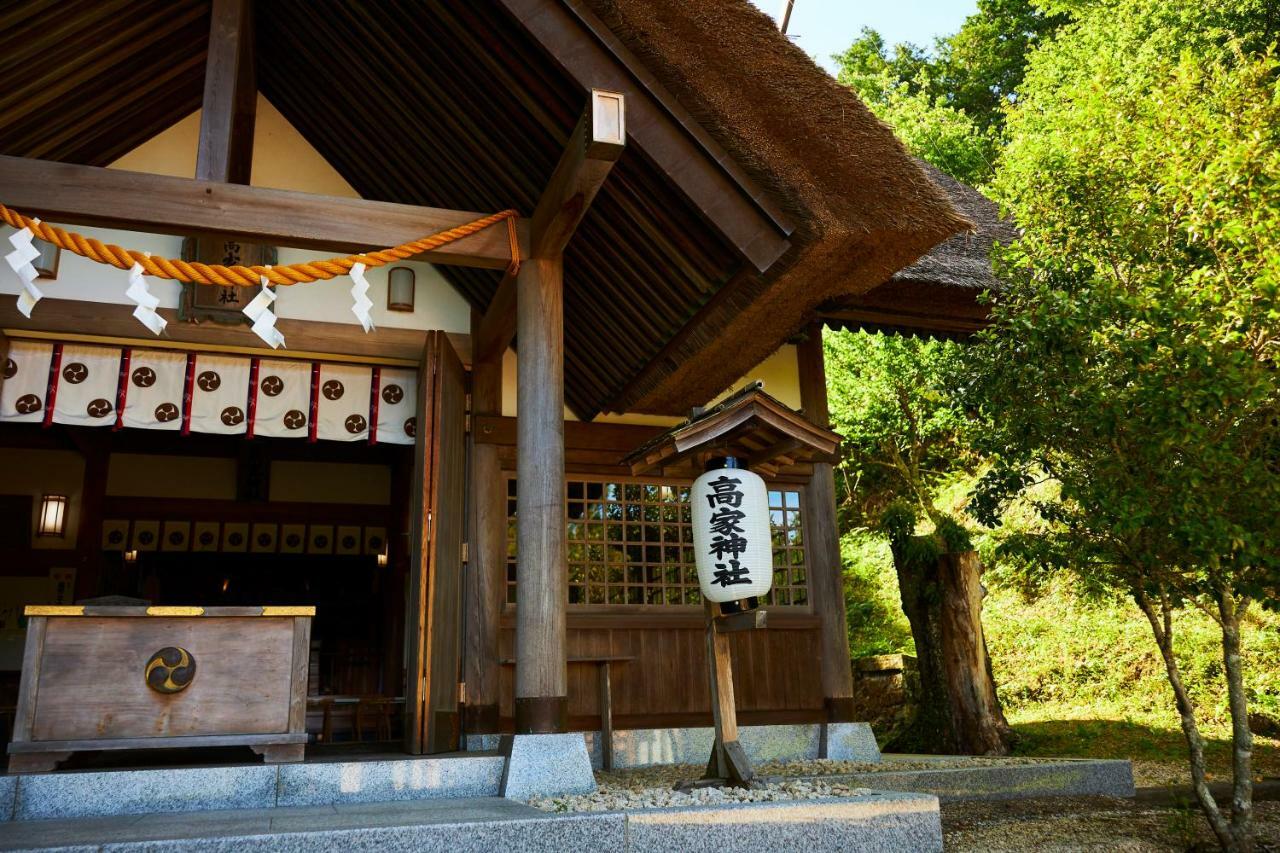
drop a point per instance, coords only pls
(100, 793)
(879, 822)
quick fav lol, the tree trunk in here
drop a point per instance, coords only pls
(1162, 629)
(1230, 611)
(959, 711)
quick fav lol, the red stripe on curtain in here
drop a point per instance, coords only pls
(375, 392)
(187, 386)
(122, 391)
(253, 398)
(315, 402)
(51, 398)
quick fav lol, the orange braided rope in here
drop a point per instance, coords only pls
(242, 276)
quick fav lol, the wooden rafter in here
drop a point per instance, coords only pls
(680, 147)
(86, 195)
(595, 145)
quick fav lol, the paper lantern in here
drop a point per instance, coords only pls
(731, 535)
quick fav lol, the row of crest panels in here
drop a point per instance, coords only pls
(100, 386)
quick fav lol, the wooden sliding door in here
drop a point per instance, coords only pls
(435, 579)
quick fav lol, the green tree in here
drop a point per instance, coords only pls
(948, 104)
(897, 89)
(903, 443)
(1132, 359)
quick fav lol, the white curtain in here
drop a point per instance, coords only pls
(343, 404)
(220, 394)
(87, 381)
(26, 381)
(397, 406)
(284, 398)
(153, 389)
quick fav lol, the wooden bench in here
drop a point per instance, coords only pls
(363, 711)
(603, 663)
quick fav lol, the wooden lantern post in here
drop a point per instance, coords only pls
(728, 764)
(758, 434)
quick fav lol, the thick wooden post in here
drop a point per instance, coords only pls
(225, 150)
(487, 549)
(822, 541)
(541, 695)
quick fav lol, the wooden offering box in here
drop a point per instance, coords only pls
(142, 677)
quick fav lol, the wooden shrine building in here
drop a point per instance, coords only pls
(457, 490)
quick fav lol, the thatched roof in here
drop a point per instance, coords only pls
(939, 293)
(665, 301)
(863, 207)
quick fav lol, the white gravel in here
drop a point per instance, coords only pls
(651, 787)
(609, 798)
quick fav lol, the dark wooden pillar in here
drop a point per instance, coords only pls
(822, 541)
(95, 449)
(487, 548)
(225, 149)
(541, 695)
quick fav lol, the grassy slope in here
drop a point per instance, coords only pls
(1080, 679)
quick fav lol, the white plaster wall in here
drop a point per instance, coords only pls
(779, 372)
(282, 159)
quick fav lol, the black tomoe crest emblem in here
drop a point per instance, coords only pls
(170, 670)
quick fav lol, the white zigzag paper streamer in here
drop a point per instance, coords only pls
(19, 261)
(264, 321)
(146, 310)
(359, 292)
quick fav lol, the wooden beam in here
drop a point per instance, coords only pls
(486, 576)
(596, 143)
(111, 198)
(541, 690)
(822, 541)
(111, 323)
(494, 332)
(225, 149)
(668, 133)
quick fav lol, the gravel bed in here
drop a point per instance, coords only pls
(667, 775)
(651, 787)
(623, 798)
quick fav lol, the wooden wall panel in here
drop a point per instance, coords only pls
(776, 676)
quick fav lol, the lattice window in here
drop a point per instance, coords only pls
(631, 542)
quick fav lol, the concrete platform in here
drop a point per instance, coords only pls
(647, 747)
(1066, 777)
(455, 826)
(885, 822)
(99, 793)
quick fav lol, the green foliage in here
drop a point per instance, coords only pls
(1064, 657)
(903, 435)
(1131, 359)
(895, 88)
(948, 105)
(877, 625)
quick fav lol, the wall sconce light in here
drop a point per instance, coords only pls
(47, 264)
(400, 286)
(131, 557)
(53, 516)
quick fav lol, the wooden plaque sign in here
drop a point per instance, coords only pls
(201, 302)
